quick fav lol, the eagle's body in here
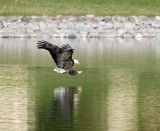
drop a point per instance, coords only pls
(62, 56)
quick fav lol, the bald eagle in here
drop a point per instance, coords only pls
(62, 56)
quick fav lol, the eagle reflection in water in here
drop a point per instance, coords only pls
(65, 102)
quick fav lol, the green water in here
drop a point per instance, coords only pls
(119, 89)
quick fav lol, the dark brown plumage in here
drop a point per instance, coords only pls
(62, 56)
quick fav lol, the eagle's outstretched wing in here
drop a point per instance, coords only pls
(61, 55)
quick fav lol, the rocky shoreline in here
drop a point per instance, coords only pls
(88, 26)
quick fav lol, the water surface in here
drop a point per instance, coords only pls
(119, 89)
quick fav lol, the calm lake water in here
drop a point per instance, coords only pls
(119, 89)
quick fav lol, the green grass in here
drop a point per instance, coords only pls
(80, 7)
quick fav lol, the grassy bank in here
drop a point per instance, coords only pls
(80, 7)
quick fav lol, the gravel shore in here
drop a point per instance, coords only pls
(88, 26)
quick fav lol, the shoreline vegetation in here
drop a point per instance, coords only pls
(80, 7)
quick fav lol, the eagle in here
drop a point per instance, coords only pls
(62, 56)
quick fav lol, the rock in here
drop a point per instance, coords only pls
(3, 18)
(92, 35)
(90, 16)
(109, 25)
(132, 19)
(34, 26)
(127, 35)
(157, 18)
(33, 34)
(128, 25)
(5, 24)
(157, 34)
(1, 25)
(94, 25)
(84, 33)
(25, 19)
(4, 35)
(107, 19)
(11, 35)
(62, 34)
(121, 31)
(47, 35)
(55, 35)
(112, 35)
(70, 35)
(84, 26)
(72, 18)
(19, 35)
(100, 18)
(118, 25)
(148, 35)
(137, 35)
(79, 25)
(87, 27)
(116, 18)
(42, 25)
(63, 25)
(2, 31)
(11, 19)
(52, 25)
(155, 24)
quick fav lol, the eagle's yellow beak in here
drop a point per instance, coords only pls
(78, 63)
(79, 72)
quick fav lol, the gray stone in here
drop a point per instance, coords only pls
(55, 35)
(83, 26)
(111, 35)
(128, 25)
(84, 34)
(79, 25)
(127, 35)
(133, 19)
(2, 18)
(72, 18)
(90, 16)
(109, 25)
(11, 35)
(157, 18)
(19, 35)
(87, 27)
(64, 25)
(117, 18)
(52, 25)
(107, 19)
(46, 35)
(2, 31)
(92, 35)
(5, 24)
(25, 19)
(157, 34)
(148, 35)
(137, 35)
(4, 35)
(100, 18)
(121, 31)
(1, 25)
(94, 25)
(42, 25)
(103, 23)
(155, 24)
(71, 35)
(118, 25)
